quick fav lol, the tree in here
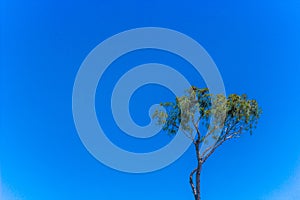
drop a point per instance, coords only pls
(222, 118)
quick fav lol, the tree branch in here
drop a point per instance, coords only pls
(189, 136)
(192, 182)
(206, 150)
(220, 142)
(197, 130)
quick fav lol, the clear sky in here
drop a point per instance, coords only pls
(255, 44)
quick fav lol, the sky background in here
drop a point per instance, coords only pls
(255, 44)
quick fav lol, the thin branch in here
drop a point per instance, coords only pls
(220, 142)
(192, 182)
(197, 129)
(174, 124)
(206, 150)
(190, 136)
(209, 133)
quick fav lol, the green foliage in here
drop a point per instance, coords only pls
(232, 115)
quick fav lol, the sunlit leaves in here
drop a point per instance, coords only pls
(232, 115)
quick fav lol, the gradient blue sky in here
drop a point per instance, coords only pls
(255, 44)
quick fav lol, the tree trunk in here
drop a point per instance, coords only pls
(198, 181)
(196, 190)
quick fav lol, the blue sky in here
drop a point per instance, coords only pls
(255, 45)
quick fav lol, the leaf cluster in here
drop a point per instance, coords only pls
(222, 117)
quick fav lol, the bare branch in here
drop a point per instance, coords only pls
(206, 150)
(197, 129)
(192, 182)
(220, 142)
(190, 136)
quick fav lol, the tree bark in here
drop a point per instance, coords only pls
(198, 181)
(192, 183)
(197, 190)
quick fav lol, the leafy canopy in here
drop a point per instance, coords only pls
(221, 117)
